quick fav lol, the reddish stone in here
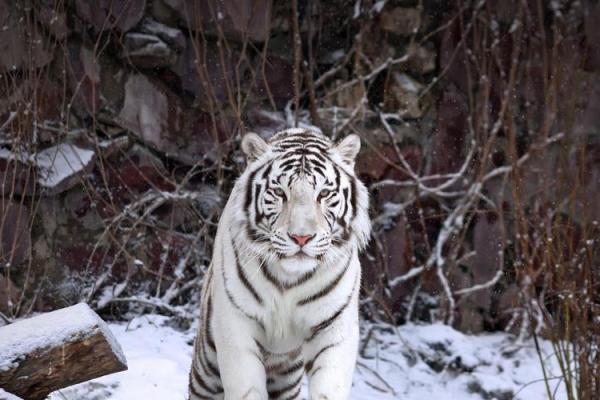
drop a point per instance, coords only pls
(105, 15)
(276, 82)
(488, 246)
(85, 258)
(166, 250)
(202, 72)
(592, 35)
(84, 79)
(398, 250)
(448, 144)
(375, 163)
(453, 60)
(236, 19)
(9, 295)
(265, 123)
(22, 46)
(15, 233)
(16, 177)
(52, 17)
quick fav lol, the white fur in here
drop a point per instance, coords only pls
(286, 324)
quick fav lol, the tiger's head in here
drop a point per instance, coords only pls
(303, 205)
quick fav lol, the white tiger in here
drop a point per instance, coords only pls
(281, 294)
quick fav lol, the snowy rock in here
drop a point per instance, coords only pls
(147, 51)
(114, 146)
(61, 167)
(401, 21)
(50, 329)
(74, 341)
(172, 36)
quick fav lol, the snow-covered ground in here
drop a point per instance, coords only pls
(409, 362)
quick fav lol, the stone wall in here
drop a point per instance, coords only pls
(120, 124)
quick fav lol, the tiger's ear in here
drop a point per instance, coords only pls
(349, 148)
(253, 146)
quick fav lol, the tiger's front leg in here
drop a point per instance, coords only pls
(331, 356)
(240, 361)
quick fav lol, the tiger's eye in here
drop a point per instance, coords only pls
(324, 193)
(279, 192)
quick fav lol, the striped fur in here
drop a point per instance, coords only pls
(272, 310)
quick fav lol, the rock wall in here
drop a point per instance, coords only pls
(120, 123)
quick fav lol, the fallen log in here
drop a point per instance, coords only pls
(54, 350)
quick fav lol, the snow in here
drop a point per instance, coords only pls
(48, 330)
(378, 6)
(60, 162)
(7, 396)
(409, 362)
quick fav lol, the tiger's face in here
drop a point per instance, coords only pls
(303, 204)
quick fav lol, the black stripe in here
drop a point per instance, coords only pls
(323, 292)
(338, 177)
(293, 368)
(317, 163)
(254, 235)
(328, 321)
(209, 338)
(198, 379)
(311, 363)
(203, 358)
(248, 201)
(242, 276)
(353, 196)
(258, 215)
(232, 300)
(267, 171)
(294, 395)
(281, 286)
(279, 392)
(294, 142)
(195, 392)
(345, 195)
(271, 278)
(296, 162)
(320, 171)
(212, 368)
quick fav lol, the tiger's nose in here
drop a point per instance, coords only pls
(301, 240)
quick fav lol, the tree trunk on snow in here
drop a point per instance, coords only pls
(51, 351)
